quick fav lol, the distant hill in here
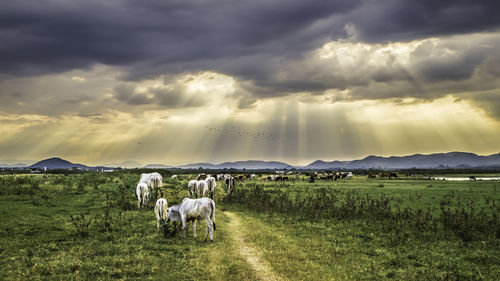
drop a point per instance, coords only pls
(420, 161)
(57, 163)
(437, 160)
(126, 164)
(158, 166)
(250, 165)
(16, 165)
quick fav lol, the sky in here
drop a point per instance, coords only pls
(176, 82)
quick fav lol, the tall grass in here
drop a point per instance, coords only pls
(461, 216)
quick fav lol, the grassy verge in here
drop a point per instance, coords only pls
(360, 250)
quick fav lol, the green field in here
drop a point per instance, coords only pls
(355, 229)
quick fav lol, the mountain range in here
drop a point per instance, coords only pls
(250, 164)
(429, 161)
(437, 160)
(158, 166)
(129, 164)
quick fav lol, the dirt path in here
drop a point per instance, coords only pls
(262, 269)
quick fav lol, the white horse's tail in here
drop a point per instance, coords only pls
(162, 209)
(212, 215)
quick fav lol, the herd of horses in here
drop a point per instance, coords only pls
(201, 190)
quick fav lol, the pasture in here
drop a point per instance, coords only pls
(87, 226)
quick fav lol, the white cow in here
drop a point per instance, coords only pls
(156, 180)
(153, 180)
(174, 177)
(161, 210)
(202, 188)
(193, 188)
(229, 184)
(142, 193)
(211, 186)
(193, 210)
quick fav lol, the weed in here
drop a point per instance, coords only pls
(81, 224)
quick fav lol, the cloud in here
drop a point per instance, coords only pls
(428, 68)
(127, 79)
(59, 94)
(398, 20)
(180, 91)
(99, 56)
(78, 79)
(128, 94)
(488, 101)
(56, 36)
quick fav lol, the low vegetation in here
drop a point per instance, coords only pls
(87, 226)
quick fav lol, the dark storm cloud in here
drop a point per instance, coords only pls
(265, 45)
(389, 20)
(51, 36)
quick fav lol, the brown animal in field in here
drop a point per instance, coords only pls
(372, 176)
(393, 176)
(202, 176)
(384, 175)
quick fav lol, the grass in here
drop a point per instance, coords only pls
(357, 250)
(38, 240)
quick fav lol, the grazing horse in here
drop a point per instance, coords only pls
(229, 184)
(193, 188)
(161, 209)
(142, 193)
(211, 186)
(202, 188)
(153, 180)
(193, 210)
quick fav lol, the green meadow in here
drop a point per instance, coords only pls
(87, 226)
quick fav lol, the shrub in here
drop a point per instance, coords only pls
(81, 224)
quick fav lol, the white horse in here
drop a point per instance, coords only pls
(142, 193)
(193, 210)
(161, 209)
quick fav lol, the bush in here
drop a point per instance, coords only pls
(81, 224)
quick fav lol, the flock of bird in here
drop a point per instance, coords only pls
(265, 134)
